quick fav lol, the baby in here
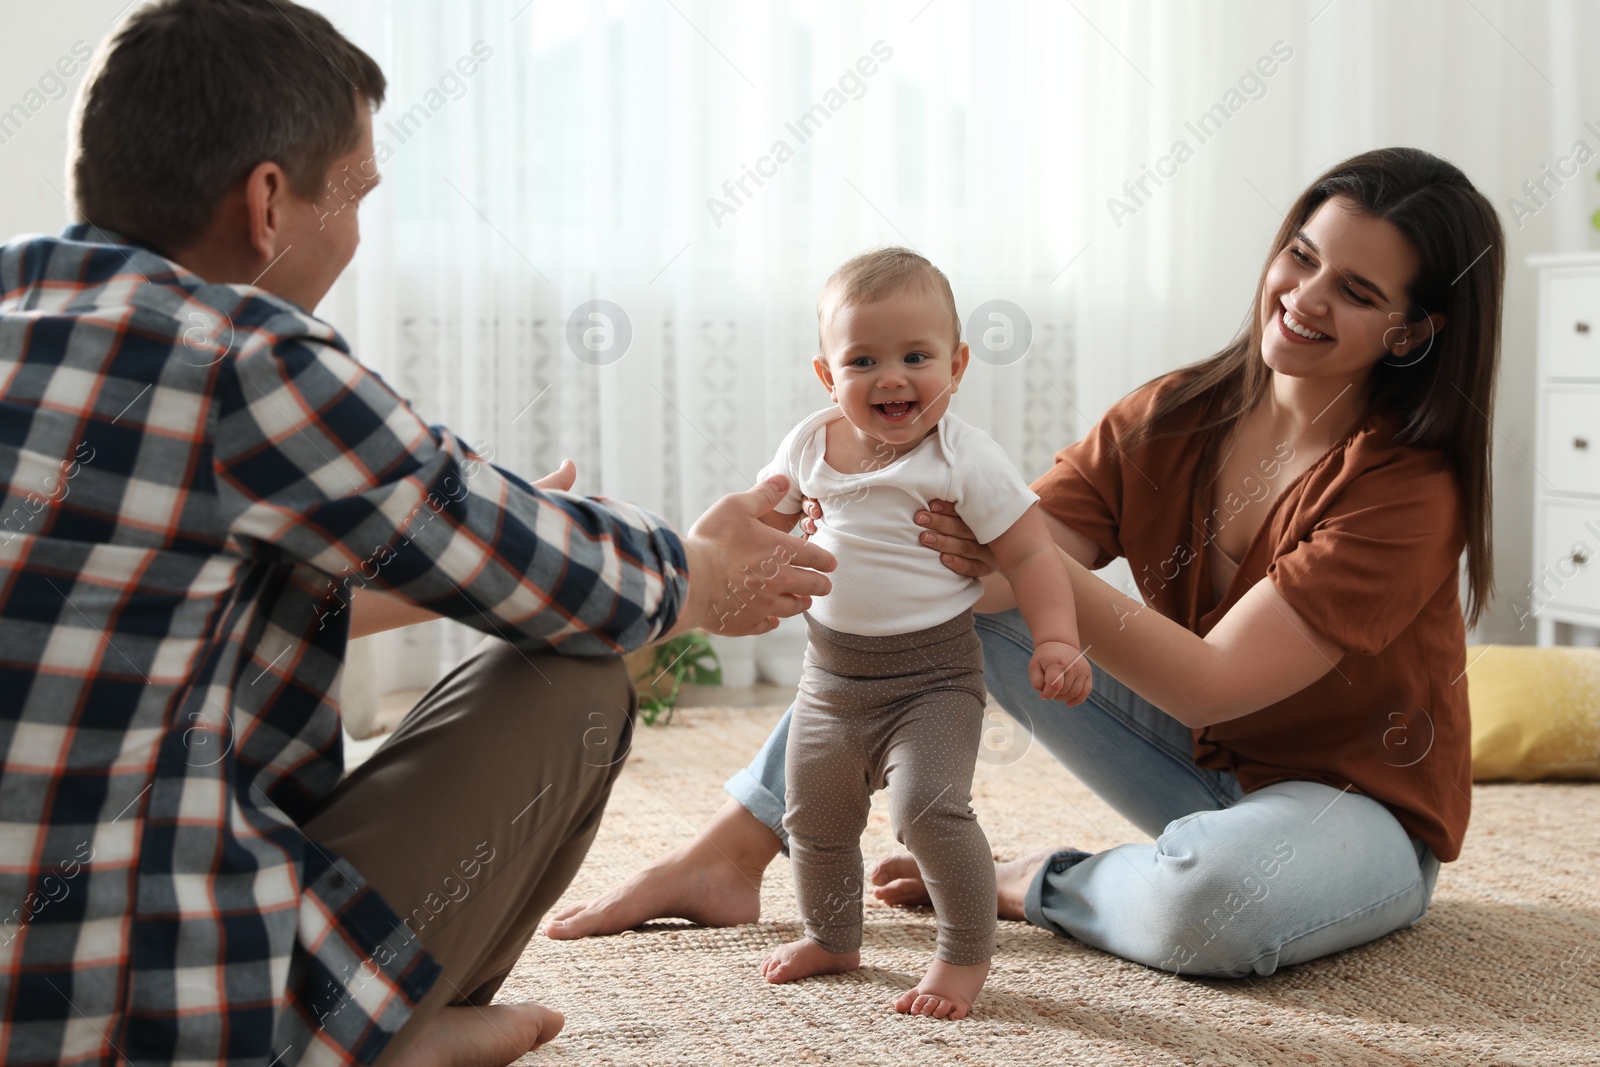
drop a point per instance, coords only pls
(892, 691)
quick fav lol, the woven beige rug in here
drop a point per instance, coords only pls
(1505, 969)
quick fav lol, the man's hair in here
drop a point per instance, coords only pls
(187, 97)
(874, 275)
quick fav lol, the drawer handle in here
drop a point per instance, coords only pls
(1581, 327)
(1581, 444)
(1579, 556)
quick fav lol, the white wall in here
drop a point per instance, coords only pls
(33, 158)
(1565, 109)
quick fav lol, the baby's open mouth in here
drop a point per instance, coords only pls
(897, 411)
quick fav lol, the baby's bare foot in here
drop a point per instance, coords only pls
(945, 992)
(804, 958)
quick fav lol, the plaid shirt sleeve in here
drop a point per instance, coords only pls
(194, 478)
(319, 461)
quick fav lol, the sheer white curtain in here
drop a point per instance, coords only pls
(702, 165)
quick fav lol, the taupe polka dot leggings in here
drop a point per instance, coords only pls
(906, 711)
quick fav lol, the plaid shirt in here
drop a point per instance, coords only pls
(193, 478)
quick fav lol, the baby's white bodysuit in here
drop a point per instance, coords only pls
(887, 581)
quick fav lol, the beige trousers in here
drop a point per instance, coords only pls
(502, 770)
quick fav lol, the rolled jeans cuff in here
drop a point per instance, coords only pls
(1033, 900)
(759, 801)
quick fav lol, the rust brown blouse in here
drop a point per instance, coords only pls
(1365, 545)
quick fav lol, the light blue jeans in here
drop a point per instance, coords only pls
(1235, 883)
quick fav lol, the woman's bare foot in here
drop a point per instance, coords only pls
(897, 881)
(804, 958)
(713, 880)
(476, 1037)
(945, 992)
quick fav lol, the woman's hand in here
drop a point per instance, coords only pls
(953, 539)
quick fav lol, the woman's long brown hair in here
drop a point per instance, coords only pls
(1443, 400)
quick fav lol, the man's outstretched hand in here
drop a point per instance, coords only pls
(744, 575)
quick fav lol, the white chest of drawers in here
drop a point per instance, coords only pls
(1565, 587)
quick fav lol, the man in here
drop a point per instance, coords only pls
(205, 495)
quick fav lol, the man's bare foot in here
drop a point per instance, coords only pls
(477, 1037)
(897, 881)
(945, 992)
(804, 958)
(713, 880)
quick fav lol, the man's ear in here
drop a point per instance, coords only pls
(266, 192)
(824, 372)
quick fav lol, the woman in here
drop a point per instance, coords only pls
(1287, 716)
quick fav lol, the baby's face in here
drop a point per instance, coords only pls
(891, 365)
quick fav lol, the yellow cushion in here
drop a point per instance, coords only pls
(1535, 712)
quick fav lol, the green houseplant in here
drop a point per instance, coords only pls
(662, 669)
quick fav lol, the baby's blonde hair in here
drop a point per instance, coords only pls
(874, 275)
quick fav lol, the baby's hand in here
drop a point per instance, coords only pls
(1060, 672)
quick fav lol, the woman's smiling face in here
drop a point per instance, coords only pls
(1335, 299)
